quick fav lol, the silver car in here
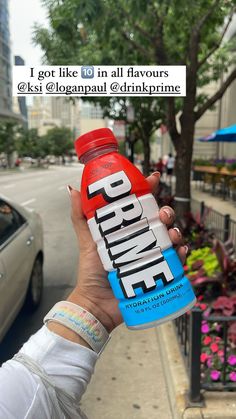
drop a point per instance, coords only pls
(21, 261)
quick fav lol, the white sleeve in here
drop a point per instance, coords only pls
(23, 394)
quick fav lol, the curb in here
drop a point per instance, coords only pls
(217, 405)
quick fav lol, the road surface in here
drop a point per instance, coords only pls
(45, 191)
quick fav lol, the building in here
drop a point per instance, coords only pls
(39, 115)
(91, 117)
(5, 62)
(67, 112)
(19, 102)
(49, 112)
(221, 116)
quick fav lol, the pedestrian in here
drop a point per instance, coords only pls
(48, 376)
(170, 167)
(160, 166)
(17, 162)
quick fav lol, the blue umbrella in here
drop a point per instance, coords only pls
(221, 135)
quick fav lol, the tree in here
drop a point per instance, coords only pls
(9, 130)
(28, 143)
(161, 32)
(57, 141)
(86, 46)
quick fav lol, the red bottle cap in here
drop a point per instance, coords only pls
(93, 139)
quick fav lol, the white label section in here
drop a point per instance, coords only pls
(149, 220)
(111, 186)
(146, 281)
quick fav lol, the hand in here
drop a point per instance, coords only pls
(93, 291)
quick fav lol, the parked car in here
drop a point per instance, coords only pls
(21, 261)
(51, 159)
(29, 160)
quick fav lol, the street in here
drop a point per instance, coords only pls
(131, 367)
(45, 191)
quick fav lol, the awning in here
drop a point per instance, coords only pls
(221, 135)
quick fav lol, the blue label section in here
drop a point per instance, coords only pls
(159, 303)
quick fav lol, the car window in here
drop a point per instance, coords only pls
(10, 221)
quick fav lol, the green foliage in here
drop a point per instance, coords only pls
(8, 135)
(9, 131)
(208, 258)
(57, 141)
(155, 32)
(28, 143)
(107, 32)
(138, 147)
(121, 147)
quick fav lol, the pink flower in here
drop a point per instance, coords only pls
(209, 362)
(214, 347)
(220, 353)
(207, 312)
(232, 360)
(218, 327)
(232, 376)
(205, 328)
(204, 357)
(215, 375)
(207, 340)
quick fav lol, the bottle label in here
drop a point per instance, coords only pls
(129, 235)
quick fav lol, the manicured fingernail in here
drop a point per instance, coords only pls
(178, 231)
(186, 249)
(69, 189)
(167, 212)
(157, 174)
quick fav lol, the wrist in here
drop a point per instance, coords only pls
(66, 333)
(78, 297)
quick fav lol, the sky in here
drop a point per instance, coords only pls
(23, 15)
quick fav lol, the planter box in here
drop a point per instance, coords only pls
(214, 170)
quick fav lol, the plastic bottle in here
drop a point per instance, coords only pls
(144, 270)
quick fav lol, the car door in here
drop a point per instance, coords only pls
(17, 257)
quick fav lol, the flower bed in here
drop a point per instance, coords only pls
(229, 164)
(217, 299)
(218, 355)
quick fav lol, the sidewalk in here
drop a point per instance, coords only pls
(215, 202)
(129, 381)
(132, 374)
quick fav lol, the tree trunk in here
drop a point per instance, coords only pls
(131, 144)
(183, 167)
(9, 160)
(146, 150)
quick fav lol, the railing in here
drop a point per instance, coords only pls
(188, 328)
(221, 225)
(232, 231)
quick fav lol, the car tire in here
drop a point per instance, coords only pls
(35, 288)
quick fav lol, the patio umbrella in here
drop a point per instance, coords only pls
(221, 135)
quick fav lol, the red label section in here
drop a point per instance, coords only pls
(102, 167)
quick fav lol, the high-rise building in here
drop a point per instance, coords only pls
(91, 117)
(39, 115)
(21, 100)
(49, 112)
(5, 62)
